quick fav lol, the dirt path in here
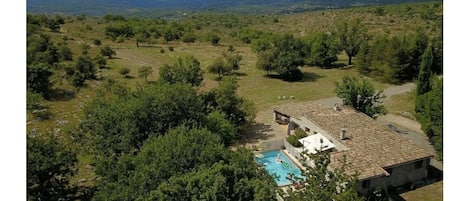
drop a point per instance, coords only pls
(403, 125)
(402, 121)
(391, 91)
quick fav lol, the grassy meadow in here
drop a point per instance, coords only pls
(253, 83)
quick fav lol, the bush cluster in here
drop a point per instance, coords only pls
(293, 139)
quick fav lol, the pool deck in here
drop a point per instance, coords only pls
(293, 159)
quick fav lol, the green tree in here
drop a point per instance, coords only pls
(237, 110)
(261, 44)
(437, 44)
(85, 48)
(213, 38)
(185, 70)
(65, 53)
(49, 167)
(96, 42)
(107, 51)
(321, 183)
(363, 59)
(85, 66)
(177, 152)
(100, 61)
(217, 123)
(232, 60)
(351, 36)
(188, 164)
(119, 122)
(40, 49)
(142, 37)
(124, 71)
(361, 95)
(290, 54)
(418, 45)
(264, 61)
(379, 11)
(172, 32)
(38, 75)
(423, 79)
(120, 28)
(323, 50)
(429, 112)
(284, 56)
(145, 71)
(34, 101)
(386, 59)
(231, 48)
(112, 17)
(189, 37)
(82, 70)
(220, 67)
(53, 24)
(236, 179)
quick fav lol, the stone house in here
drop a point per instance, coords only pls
(383, 158)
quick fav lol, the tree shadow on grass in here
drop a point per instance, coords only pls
(255, 133)
(339, 66)
(152, 82)
(236, 73)
(310, 77)
(105, 68)
(307, 77)
(130, 77)
(273, 76)
(148, 46)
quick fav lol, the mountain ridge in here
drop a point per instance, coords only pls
(131, 7)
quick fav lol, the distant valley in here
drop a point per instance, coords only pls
(169, 8)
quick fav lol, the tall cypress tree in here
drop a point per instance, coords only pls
(423, 79)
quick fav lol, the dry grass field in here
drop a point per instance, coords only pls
(432, 192)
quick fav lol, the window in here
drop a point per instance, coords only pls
(366, 184)
(418, 164)
(307, 129)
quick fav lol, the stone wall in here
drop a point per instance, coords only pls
(272, 145)
(402, 175)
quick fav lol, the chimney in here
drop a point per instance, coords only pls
(342, 134)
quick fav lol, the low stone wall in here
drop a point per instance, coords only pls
(273, 145)
(291, 149)
(297, 153)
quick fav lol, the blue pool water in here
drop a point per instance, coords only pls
(268, 159)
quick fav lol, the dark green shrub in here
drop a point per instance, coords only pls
(97, 42)
(188, 38)
(124, 71)
(300, 133)
(293, 139)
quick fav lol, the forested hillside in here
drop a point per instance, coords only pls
(133, 108)
(149, 7)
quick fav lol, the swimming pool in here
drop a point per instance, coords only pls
(280, 169)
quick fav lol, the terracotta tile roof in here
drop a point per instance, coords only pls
(372, 146)
(356, 164)
(297, 109)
